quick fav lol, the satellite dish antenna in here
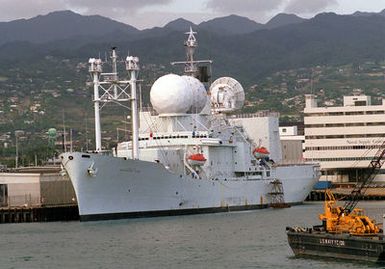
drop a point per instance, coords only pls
(227, 95)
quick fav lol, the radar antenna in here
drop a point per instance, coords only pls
(191, 43)
(192, 67)
(227, 95)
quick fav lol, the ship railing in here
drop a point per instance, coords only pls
(293, 162)
(26, 200)
(149, 109)
(105, 152)
(258, 114)
(65, 198)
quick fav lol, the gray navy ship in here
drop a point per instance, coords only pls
(188, 154)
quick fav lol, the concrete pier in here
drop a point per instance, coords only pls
(372, 193)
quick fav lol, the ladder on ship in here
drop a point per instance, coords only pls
(277, 198)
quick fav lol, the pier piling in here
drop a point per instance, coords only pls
(39, 214)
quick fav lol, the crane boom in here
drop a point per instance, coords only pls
(360, 189)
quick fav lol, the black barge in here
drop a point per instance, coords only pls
(346, 232)
(313, 243)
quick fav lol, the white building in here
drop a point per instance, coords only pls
(344, 139)
(292, 144)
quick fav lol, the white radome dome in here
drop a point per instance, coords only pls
(199, 94)
(171, 94)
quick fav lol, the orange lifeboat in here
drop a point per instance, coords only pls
(260, 152)
(196, 159)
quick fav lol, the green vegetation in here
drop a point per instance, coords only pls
(284, 91)
(52, 91)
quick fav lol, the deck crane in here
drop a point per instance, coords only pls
(349, 219)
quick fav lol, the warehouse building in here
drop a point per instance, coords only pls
(344, 139)
(35, 187)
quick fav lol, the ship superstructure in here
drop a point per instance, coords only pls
(185, 156)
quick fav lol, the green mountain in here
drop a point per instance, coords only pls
(230, 25)
(326, 39)
(61, 25)
(283, 19)
(42, 77)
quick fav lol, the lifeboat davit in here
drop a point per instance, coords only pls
(260, 153)
(196, 159)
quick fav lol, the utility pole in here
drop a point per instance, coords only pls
(17, 152)
(64, 134)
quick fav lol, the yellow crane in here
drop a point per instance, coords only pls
(336, 220)
(348, 218)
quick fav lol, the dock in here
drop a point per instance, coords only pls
(36, 194)
(39, 214)
(340, 191)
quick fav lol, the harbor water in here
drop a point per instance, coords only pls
(253, 239)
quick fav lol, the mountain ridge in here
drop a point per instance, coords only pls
(327, 38)
(229, 25)
(60, 25)
(283, 19)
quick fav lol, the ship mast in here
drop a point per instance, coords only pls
(191, 43)
(109, 89)
(191, 66)
(133, 68)
(95, 70)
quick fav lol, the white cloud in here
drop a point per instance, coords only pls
(247, 6)
(149, 13)
(262, 10)
(309, 6)
(16, 9)
(126, 7)
(118, 9)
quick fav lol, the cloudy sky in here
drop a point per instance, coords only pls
(150, 13)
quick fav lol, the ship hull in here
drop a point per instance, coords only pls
(108, 187)
(342, 246)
